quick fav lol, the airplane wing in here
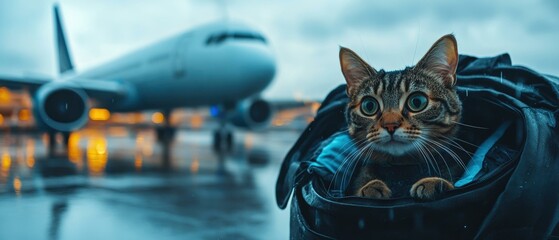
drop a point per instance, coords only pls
(96, 89)
(99, 89)
(286, 104)
(18, 81)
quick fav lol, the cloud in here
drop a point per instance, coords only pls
(305, 35)
(384, 15)
(22, 38)
(553, 4)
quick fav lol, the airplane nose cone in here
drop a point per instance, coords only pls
(250, 67)
(260, 68)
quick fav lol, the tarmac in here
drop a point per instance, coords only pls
(113, 183)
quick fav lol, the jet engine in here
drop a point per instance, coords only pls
(61, 106)
(252, 114)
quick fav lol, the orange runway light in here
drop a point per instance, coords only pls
(195, 165)
(5, 164)
(24, 115)
(143, 146)
(249, 141)
(30, 161)
(6, 161)
(99, 114)
(196, 121)
(97, 155)
(137, 117)
(4, 95)
(157, 118)
(30, 153)
(138, 161)
(45, 139)
(17, 185)
(1, 119)
(75, 154)
(118, 132)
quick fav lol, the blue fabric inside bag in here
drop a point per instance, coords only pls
(336, 153)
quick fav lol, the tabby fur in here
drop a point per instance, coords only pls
(401, 137)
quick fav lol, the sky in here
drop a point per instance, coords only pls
(304, 35)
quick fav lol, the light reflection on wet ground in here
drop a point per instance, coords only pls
(113, 185)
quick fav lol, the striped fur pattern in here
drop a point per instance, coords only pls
(396, 113)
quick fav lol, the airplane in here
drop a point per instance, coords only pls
(224, 64)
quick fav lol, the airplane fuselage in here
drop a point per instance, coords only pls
(212, 64)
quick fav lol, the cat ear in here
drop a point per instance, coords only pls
(355, 70)
(442, 59)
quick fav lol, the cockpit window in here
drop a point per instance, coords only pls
(221, 37)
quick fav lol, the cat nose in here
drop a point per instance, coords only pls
(391, 126)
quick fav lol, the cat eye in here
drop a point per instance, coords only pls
(369, 106)
(417, 102)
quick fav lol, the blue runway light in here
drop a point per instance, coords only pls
(214, 111)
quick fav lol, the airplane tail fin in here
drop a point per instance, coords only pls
(64, 60)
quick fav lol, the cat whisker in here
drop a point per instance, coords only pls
(446, 165)
(450, 141)
(445, 148)
(428, 161)
(347, 147)
(434, 160)
(437, 129)
(455, 144)
(468, 125)
(453, 154)
(343, 169)
(455, 138)
(466, 142)
(418, 149)
(347, 160)
(425, 146)
(443, 160)
(354, 160)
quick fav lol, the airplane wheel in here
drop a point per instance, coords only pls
(216, 140)
(52, 143)
(224, 139)
(165, 134)
(66, 136)
(229, 140)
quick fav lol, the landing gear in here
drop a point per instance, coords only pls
(66, 138)
(165, 136)
(223, 140)
(53, 143)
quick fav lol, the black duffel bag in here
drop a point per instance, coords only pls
(515, 195)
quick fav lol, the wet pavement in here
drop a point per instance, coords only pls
(113, 184)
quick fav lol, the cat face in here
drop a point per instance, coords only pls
(398, 112)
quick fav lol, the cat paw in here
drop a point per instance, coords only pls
(429, 188)
(375, 189)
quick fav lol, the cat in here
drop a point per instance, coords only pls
(397, 117)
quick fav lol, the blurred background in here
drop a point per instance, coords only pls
(305, 36)
(120, 176)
